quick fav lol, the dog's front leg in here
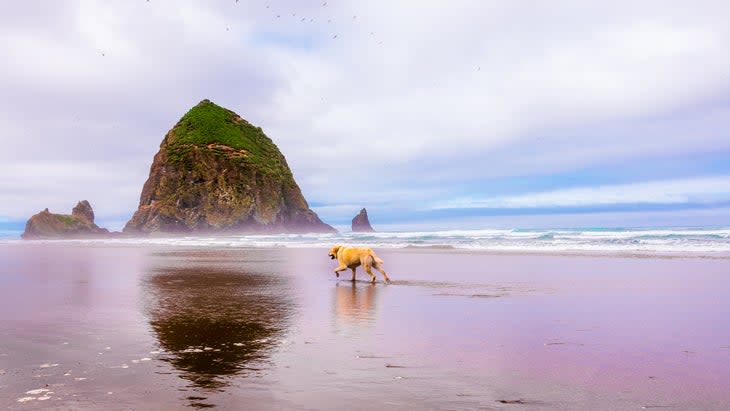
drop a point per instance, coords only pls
(338, 269)
(353, 274)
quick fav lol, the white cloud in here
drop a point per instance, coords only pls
(58, 186)
(702, 190)
(457, 93)
(409, 94)
(708, 217)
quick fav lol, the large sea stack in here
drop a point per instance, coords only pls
(361, 223)
(79, 224)
(215, 172)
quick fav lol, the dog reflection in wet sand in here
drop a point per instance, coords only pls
(352, 257)
(354, 304)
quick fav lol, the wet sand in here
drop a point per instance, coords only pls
(92, 327)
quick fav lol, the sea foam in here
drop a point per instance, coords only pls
(695, 241)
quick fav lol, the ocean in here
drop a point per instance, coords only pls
(692, 241)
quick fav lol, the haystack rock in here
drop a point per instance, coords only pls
(80, 224)
(215, 172)
(361, 224)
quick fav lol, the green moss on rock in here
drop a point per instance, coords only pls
(224, 133)
(217, 172)
(79, 224)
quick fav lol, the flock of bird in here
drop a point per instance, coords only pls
(304, 19)
(312, 20)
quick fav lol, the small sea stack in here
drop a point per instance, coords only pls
(361, 223)
(79, 224)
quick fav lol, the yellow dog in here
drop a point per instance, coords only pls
(351, 257)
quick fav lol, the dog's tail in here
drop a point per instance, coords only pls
(376, 258)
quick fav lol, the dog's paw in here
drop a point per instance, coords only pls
(338, 275)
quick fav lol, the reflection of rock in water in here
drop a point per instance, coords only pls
(354, 302)
(215, 323)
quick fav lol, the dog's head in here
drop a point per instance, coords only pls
(333, 251)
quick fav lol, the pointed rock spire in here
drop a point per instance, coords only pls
(84, 211)
(361, 223)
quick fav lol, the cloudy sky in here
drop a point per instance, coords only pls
(429, 113)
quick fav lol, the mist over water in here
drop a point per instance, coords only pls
(9, 234)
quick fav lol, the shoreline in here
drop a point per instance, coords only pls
(162, 242)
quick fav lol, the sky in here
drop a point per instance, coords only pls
(430, 114)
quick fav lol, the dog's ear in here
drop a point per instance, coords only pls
(335, 249)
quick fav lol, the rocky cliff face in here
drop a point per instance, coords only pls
(217, 172)
(46, 225)
(361, 223)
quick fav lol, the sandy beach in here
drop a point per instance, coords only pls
(165, 327)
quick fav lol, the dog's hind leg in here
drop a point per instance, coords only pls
(353, 274)
(380, 268)
(370, 272)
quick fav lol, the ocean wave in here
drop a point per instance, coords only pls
(655, 240)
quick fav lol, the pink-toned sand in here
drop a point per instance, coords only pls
(94, 327)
